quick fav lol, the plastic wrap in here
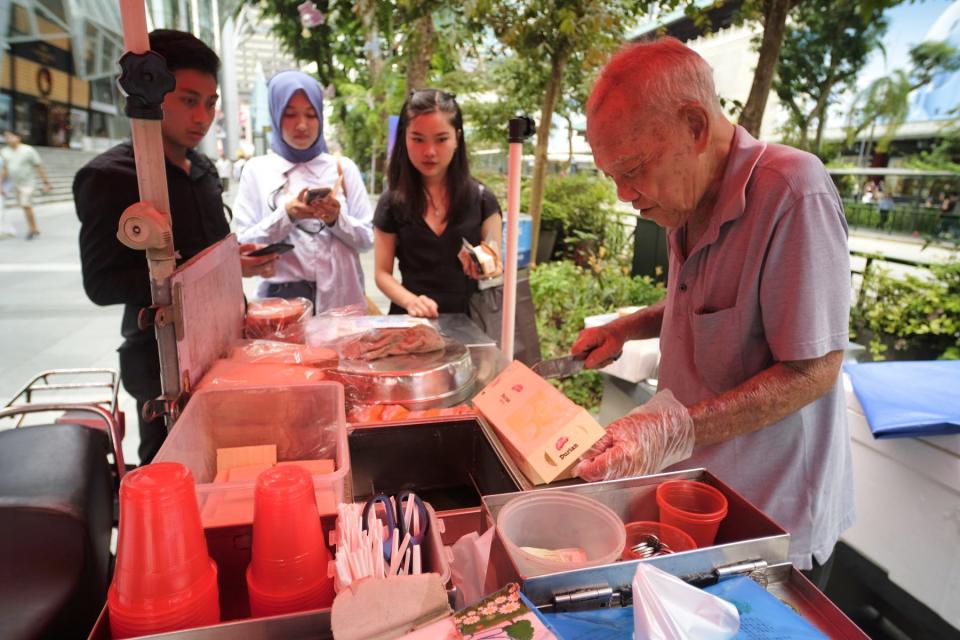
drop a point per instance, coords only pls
(655, 435)
(370, 337)
(667, 608)
(236, 374)
(368, 413)
(273, 352)
(277, 319)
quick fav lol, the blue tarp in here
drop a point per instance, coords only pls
(909, 399)
(762, 617)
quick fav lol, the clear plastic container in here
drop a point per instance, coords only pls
(559, 520)
(305, 422)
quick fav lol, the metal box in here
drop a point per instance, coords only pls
(745, 534)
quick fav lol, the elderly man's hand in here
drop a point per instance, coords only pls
(655, 435)
(601, 345)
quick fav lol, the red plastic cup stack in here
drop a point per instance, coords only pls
(164, 578)
(694, 507)
(288, 565)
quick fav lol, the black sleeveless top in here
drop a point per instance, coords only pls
(429, 264)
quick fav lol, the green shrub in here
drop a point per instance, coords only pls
(913, 316)
(565, 293)
(580, 207)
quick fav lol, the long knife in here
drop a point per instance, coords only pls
(563, 367)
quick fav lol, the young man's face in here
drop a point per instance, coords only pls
(189, 109)
(11, 139)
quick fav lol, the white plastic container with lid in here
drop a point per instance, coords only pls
(559, 520)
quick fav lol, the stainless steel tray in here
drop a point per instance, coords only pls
(450, 463)
(745, 534)
(422, 380)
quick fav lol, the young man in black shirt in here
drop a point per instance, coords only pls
(107, 185)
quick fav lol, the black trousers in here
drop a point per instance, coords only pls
(295, 289)
(819, 575)
(140, 375)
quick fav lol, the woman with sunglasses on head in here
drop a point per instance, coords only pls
(432, 205)
(303, 195)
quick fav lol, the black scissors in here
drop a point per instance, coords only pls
(394, 510)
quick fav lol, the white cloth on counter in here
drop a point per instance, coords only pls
(641, 358)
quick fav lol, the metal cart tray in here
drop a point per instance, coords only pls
(745, 534)
(449, 463)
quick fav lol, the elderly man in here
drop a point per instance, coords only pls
(754, 324)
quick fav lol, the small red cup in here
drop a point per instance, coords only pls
(693, 507)
(164, 579)
(288, 565)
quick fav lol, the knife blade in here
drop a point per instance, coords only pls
(562, 367)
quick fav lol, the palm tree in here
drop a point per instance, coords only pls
(886, 101)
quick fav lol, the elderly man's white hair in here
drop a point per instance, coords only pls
(657, 78)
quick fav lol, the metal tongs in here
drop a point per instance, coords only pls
(649, 546)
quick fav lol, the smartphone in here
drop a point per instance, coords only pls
(270, 249)
(317, 194)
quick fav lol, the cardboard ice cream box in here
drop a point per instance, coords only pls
(544, 431)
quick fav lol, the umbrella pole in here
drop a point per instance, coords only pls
(520, 128)
(145, 91)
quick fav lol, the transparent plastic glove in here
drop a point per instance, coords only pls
(655, 435)
(601, 345)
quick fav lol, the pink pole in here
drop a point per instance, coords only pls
(510, 257)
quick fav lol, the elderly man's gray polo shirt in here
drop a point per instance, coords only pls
(769, 281)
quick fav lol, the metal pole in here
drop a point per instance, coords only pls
(231, 98)
(152, 182)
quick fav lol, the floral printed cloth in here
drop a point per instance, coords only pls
(503, 615)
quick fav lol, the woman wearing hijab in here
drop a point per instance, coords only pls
(278, 201)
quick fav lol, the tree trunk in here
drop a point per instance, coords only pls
(543, 138)
(374, 57)
(421, 42)
(569, 141)
(774, 27)
(820, 109)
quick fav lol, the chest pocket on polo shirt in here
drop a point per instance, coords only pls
(717, 347)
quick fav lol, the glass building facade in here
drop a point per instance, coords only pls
(58, 64)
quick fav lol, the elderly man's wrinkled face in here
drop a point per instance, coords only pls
(653, 165)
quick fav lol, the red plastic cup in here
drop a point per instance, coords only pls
(164, 579)
(288, 565)
(693, 507)
(675, 539)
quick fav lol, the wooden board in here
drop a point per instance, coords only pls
(209, 288)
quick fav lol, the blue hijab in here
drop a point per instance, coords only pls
(281, 88)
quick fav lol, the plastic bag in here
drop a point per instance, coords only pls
(273, 352)
(667, 608)
(471, 556)
(277, 319)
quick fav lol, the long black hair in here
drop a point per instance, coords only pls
(407, 190)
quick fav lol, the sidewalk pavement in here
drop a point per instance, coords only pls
(47, 322)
